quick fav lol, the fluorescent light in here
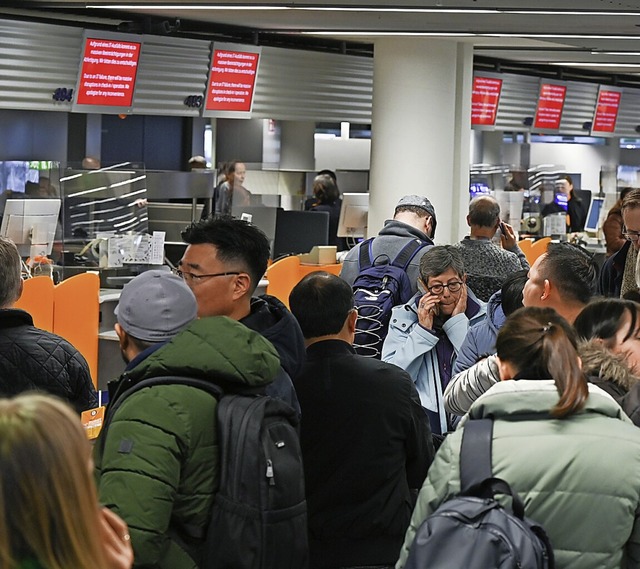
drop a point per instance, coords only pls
(586, 64)
(636, 53)
(384, 34)
(203, 7)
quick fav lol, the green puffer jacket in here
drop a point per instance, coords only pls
(579, 477)
(159, 466)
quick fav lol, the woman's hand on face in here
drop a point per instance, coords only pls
(116, 541)
(428, 307)
(461, 305)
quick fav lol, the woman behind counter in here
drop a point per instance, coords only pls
(565, 446)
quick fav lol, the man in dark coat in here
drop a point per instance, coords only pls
(223, 264)
(31, 358)
(366, 441)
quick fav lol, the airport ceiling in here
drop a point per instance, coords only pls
(567, 37)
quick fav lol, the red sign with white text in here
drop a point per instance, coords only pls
(550, 105)
(108, 73)
(606, 113)
(232, 80)
(485, 98)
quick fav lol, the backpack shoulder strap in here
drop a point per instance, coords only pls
(365, 254)
(475, 453)
(408, 252)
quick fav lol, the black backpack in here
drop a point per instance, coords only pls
(472, 530)
(259, 515)
(379, 287)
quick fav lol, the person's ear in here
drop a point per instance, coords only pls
(468, 222)
(20, 290)
(429, 226)
(546, 290)
(123, 337)
(351, 321)
(505, 369)
(241, 286)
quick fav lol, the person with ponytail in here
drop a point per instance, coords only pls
(562, 443)
(49, 512)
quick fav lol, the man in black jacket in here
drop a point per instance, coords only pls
(31, 358)
(223, 264)
(366, 441)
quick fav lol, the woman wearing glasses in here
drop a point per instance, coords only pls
(619, 274)
(425, 335)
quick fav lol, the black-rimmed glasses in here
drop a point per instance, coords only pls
(195, 279)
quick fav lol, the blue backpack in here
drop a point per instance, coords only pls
(379, 287)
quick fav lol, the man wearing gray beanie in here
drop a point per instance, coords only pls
(156, 459)
(414, 218)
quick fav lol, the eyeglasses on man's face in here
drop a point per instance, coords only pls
(631, 235)
(438, 288)
(192, 278)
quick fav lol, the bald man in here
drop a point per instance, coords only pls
(488, 265)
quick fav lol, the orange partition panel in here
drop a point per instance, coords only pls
(76, 314)
(286, 273)
(37, 300)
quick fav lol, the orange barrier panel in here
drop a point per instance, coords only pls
(286, 273)
(37, 300)
(76, 314)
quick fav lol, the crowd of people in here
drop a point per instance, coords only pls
(549, 352)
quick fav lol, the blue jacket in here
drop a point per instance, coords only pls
(411, 347)
(481, 339)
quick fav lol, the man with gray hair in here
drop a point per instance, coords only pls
(426, 334)
(32, 359)
(488, 265)
(157, 458)
(414, 219)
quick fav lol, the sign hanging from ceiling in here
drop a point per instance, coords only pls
(232, 80)
(606, 112)
(485, 98)
(107, 72)
(550, 105)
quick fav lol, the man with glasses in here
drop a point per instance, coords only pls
(426, 334)
(222, 265)
(618, 276)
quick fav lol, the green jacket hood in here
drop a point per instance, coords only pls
(217, 347)
(528, 397)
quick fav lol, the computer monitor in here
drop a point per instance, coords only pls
(31, 224)
(354, 215)
(592, 224)
(263, 217)
(172, 218)
(299, 231)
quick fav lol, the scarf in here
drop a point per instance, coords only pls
(629, 281)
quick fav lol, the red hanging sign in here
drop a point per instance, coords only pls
(550, 105)
(108, 72)
(485, 98)
(232, 80)
(606, 114)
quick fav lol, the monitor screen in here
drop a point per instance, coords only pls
(593, 216)
(31, 224)
(300, 231)
(354, 215)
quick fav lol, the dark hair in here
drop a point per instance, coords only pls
(440, 258)
(484, 211)
(329, 173)
(321, 303)
(236, 241)
(511, 291)
(540, 344)
(572, 271)
(567, 178)
(602, 319)
(325, 189)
